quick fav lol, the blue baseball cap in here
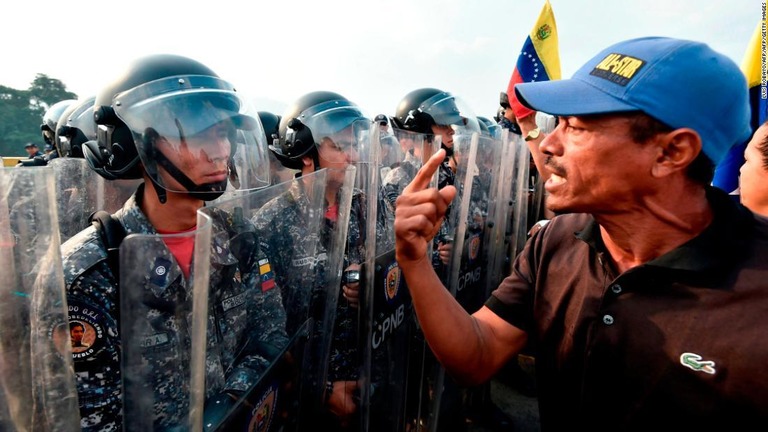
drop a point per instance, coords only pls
(682, 83)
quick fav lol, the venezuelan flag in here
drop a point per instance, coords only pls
(539, 60)
(727, 171)
(267, 275)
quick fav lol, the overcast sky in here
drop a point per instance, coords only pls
(372, 52)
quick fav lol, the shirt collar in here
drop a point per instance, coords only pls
(725, 241)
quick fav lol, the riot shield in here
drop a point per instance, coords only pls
(410, 152)
(80, 191)
(390, 153)
(37, 386)
(500, 212)
(463, 233)
(392, 349)
(522, 193)
(302, 261)
(473, 224)
(271, 401)
(164, 331)
(474, 219)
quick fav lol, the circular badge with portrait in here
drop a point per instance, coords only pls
(86, 330)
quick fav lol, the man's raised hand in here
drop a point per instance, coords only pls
(420, 211)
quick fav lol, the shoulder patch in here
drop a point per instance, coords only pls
(81, 252)
(266, 274)
(264, 411)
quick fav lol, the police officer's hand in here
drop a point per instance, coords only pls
(342, 401)
(351, 290)
(420, 211)
(444, 251)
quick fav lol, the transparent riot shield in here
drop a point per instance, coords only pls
(301, 258)
(500, 213)
(475, 218)
(390, 153)
(406, 156)
(164, 333)
(392, 347)
(473, 225)
(460, 266)
(37, 386)
(80, 191)
(522, 193)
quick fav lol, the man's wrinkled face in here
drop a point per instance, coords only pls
(596, 165)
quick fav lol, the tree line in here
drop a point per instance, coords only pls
(22, 111)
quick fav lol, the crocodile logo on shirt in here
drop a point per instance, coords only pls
(695, 362)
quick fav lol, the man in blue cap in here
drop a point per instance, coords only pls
(645, 299)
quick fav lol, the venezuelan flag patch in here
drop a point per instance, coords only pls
(267, 275)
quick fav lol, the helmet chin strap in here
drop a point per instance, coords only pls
(162, 196)
(448, 150)
(205, 191)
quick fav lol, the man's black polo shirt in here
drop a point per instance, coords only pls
(680, 341)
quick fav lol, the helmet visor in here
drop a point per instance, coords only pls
(78, 128)
(195, 134)
(330, 118)
(447, 109)
(82, 119)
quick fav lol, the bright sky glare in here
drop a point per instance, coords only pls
(372, 52)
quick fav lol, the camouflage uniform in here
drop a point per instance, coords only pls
(246, 321)
(445, 176)
(479, 200)
(391, 188)
(344, 360)
(283, 229)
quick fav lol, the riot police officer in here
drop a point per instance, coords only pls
(430, 112)
(271, 123)
(79, 190)
(322, 130)
(48, 128)
(174, 123)
(74, 127)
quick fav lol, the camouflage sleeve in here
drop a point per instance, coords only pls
(390, 192)
(355, 252)
(266, 330)
(436, 263)
(344, 350)
(444, 235)
(385, 219)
